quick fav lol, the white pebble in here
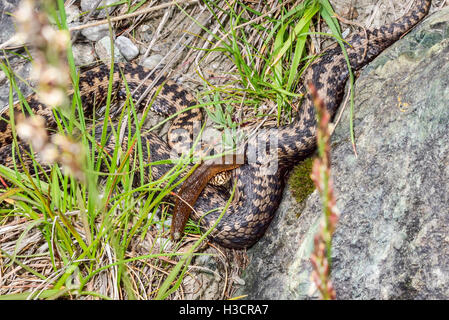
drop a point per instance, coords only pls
(96, 33)
(103, 50)
(152, 61)
(72, 14)
(83, 54)
(127, 48)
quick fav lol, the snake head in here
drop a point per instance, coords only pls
(190, 191)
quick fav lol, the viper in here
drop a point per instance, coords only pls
(258, 181)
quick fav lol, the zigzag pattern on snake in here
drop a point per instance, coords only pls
(258, 192)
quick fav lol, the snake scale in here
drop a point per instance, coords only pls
(258, 190)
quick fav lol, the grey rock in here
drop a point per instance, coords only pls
(96, 33)
(392, 239)
(20, 66)
(279, 267)
(6, 21)
(104, 51)
(152, 61)
(83, 54)
(127, 48)
(72, 14)
(22, 69)
(152, 120)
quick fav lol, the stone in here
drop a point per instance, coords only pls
(104, 51)
(96, 33)
(152, 61)
(6, 21)
(20, 66)
(22, 69)
(83, 54)
(127, 48)
(392, 239)
(72, 14)
(280, 258)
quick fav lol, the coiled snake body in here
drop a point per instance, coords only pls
(258, 190)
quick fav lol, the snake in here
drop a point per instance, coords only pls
(257, 183)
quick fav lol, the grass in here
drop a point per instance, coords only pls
(106, 238)
(267, 56)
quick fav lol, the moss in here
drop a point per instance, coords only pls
(300, 183)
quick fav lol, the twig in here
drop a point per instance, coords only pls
(134, 14)
(76, 33)
(157, 33)
(340, 113)
(15, 41)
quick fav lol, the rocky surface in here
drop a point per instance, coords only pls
(6, 21)
(127, 48)
(96, 33)
(152, 61)
(21, 67)
(84, 54)
(392, 240)
(103, 48)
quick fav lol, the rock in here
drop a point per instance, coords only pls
(6, 21)
(22, 69)
(400, 247)
(72, 14)
(104, 51)
(392, 240)
(20, 66)
(88, 5)
(127, 48)
(152, 61)
(96, 33)
(83, 54)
